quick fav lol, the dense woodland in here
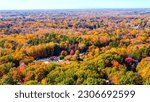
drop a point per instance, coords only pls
(84, 47)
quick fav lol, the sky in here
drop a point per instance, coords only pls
(71, 4)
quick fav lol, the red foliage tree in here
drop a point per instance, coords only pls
(72, 52)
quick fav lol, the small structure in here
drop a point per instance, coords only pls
(46, 62)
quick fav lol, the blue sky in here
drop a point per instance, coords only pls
(72, 4)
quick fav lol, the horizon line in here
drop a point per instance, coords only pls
(71, 8)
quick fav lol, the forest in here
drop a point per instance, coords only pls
(75, 47)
